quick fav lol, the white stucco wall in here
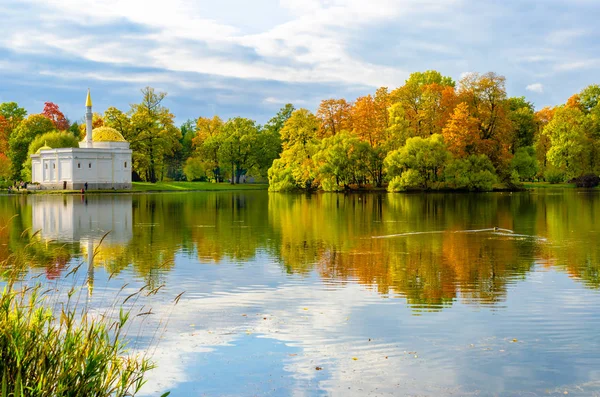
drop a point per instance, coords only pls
(100, 167)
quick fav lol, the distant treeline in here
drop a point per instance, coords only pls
(430, 133)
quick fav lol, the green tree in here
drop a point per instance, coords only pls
(417, 164)
(525, 163)
(54, 139)
(153, 135)
(13, 113)
(522, 115)
(238, 149)
(475, 172)
(569, 150)
(338, 162)
(31, 127)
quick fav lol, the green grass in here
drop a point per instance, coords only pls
(193, 186)
(547, 185)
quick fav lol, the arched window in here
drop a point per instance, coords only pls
(53, 165)
(90, 165)
(126, 164)
(78, 165)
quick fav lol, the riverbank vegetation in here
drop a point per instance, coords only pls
(51, 345)
(430, 133)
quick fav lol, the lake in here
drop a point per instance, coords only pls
(331, 294)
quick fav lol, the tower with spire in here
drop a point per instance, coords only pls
(88, 120)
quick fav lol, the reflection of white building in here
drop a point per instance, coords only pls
(73, 218)
(102, 161)
(84, 219)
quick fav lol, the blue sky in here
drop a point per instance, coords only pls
(248, 58)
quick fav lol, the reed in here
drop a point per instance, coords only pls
(51, 345)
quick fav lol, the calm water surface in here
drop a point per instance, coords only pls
(338, 295)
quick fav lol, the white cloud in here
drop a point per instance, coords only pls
(535, 87)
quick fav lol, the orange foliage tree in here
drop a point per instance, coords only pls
(52, 112)
(335, 115)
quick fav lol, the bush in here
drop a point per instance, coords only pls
(194, 169)
(281, 177)
(554, 176)
(525, 163)
(588, 180)
(474, 173)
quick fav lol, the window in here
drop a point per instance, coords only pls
(53, 165)
(46, 166)
(78, 165)
(126, 164)
(90, 165)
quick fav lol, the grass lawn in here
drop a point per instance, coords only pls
(193, 186)
(547, 185)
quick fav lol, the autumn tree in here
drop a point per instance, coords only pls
(486, 97)
(335, 115)
(22, 136)
(206, 143)
(153, 135)
(57, 117)
(461, 133)
(568, 150)
(424, 97)
(541, 141)
(295, 167)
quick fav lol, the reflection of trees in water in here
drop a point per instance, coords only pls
(332, 234)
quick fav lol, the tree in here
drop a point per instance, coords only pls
(57, 117)
(486, 96)
(207, 142)
(13, 113)
(418, 163)
(238, 147)
(541, 141)
(23, 135)
(475, 172)
(295, 168)
(335, 115)
(54, 139)
(522, 115)
(338, 162)
(461, 134)
(421, 97)
(153, 135)
(525, 163)
(568, 150)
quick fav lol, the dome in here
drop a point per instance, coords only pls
(107, 134)
(45, 147)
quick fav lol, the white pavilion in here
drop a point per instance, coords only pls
(102, 161)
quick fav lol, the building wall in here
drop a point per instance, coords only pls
(71, 168)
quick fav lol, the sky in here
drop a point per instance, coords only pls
(249, 58)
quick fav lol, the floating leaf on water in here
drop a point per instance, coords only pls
(305, 308)
(292, 354)
(355, 358)
(318, 368)
(244, 315)
(514, 341)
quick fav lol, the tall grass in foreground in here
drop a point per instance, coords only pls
(51, 345)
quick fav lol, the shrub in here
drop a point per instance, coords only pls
(194, 169)
(554, 176)
(525, 163)
(588, 180)
(473, 173)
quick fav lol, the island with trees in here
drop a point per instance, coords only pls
(429, 134)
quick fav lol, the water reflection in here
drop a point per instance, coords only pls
(100, 226)
(286, 283)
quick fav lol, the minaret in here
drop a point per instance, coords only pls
(88, 120)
